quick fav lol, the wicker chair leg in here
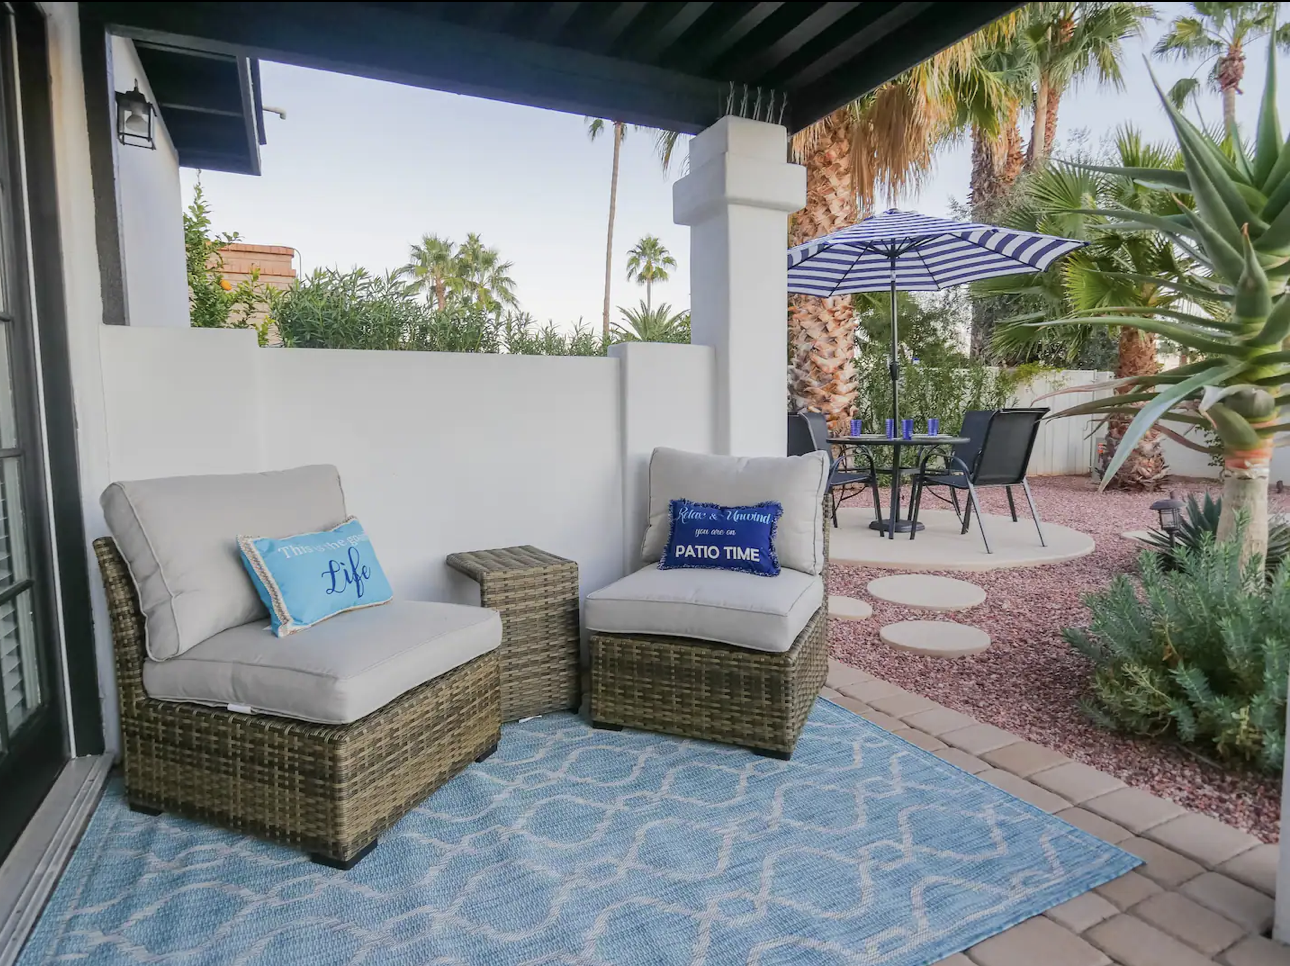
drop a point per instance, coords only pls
(344, 865)
(144, 809)
(606, 726)
(487, 753)
(772, 753)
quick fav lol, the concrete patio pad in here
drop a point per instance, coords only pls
(941, 547)
(849, 608)
(935, 638)
(927, 592)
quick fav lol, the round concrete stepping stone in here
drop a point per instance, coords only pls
(935, 638)
(849, 608)
(925, 592)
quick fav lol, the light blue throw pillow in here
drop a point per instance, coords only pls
(312, 576)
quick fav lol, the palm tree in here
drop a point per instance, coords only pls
(1238, 322)
(1219, 32)
(432, 266)
(885, 140)
(595, 128)
(1065, 42)
(647, 263)
(1120, 268)
(482, 276)
(644, 324)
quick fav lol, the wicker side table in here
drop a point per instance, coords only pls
(537, 595)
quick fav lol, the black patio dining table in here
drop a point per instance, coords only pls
(918, 442)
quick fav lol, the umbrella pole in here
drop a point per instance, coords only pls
(894, 366)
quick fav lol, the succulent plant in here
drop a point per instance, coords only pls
(1234, 221)
(1199, 520)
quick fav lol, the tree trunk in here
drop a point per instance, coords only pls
(1230, 72)
(1050, 125)
(822, 331)
(613, 210)
(1145, 469)
(995, 168)
(649, 295)
(1245, 491)
(1014, 158)
(1037, 150)
(441, 292)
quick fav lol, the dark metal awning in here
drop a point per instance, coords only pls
(210, 102)
(670, 65)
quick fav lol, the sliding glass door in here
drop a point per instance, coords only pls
(33, 747)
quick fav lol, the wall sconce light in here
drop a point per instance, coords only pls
(134, 118)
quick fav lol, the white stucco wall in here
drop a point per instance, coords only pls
(671, 390)
(152, 229)
(438, 452)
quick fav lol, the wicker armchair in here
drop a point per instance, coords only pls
(716, 692)
(330, 790)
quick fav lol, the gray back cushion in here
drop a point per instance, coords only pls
(796, 482)
(179, 537)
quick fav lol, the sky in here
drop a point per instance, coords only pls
(361, 169)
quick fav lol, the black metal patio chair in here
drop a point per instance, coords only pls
(1007, 438)
(809, 433)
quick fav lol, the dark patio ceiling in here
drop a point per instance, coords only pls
(669, 65)
(210, 103)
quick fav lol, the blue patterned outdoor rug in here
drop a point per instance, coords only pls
(573, 846)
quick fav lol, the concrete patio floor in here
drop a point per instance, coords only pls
(943, 547)
(1203, 897)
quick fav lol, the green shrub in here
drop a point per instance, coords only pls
(945, 392)
(1200, 652)
(213, 301)
(330, 309)
(519, 335)
(1200, 518)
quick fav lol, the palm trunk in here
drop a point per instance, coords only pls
(1145, 469)
(1037, 150)
(1050, 125)
(822, 331)
(441, 293)
(1245, 492)
(995, 167)
(613, 210)
(983, 194)
(649, 295)
(1230, 71)
(1229, 106)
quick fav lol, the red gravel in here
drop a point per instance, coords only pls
(1029, 680)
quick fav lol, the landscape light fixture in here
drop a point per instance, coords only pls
(1170, 513)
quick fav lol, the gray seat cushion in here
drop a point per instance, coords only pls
(178, 536)
(760, 613)
(333, 673)
(796, 482)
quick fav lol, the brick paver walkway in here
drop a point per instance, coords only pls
(1204, 895)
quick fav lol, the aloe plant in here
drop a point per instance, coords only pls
(1234, 222)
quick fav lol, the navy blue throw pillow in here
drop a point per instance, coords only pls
(710, 537)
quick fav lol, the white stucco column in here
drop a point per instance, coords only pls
(736, 200)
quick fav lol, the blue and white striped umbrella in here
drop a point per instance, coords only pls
(923, 254)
